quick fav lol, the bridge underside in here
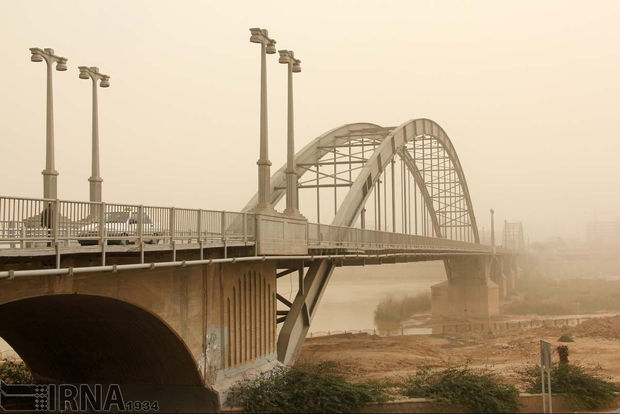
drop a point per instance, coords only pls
(173, 334)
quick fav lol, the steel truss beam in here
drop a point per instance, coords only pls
(445, 207)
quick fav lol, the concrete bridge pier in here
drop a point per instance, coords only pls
(499, 277)
(177, 335)
(469, 291)
(512, 272)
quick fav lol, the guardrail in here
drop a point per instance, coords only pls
(327, 236)
(486, 326)
(34, 223)
(30, 223)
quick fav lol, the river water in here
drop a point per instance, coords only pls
(353, 292)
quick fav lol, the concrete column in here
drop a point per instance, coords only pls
(264, 165)
(497, 275)
(292, 207)
(95, 179)
(49, 173)
(468, 293)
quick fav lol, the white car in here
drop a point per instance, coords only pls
(120, 226)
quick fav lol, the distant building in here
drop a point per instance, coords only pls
(603, 233)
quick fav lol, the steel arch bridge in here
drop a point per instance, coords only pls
(427, 195)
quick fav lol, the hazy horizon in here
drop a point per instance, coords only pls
(528, 93)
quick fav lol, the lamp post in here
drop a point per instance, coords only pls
(287, 57)
(493, 230)
(95, 179)
(50, 174)
(268, 46)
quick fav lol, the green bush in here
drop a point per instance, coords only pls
(463, 389)
(566, 338)
(14, 372)
(391, 312)
(304, 389)
(584, 390)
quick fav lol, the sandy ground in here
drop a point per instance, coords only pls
(597, 343)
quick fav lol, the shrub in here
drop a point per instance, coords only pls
(463, 389)
(566, 338)
(584, 390)
(14, 372)
(391, 312)
(302, 389)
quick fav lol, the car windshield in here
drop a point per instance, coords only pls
(135, 218)
(117, 217)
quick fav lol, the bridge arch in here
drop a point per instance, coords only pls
(442, 184)
(428, 155)
(78, 338)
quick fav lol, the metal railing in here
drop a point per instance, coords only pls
(36, 223)
(31, 223)
(326, 236)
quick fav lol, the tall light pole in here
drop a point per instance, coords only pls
(50, 174)
(493, 230)
(292, 204)
(267, 46)
(95, 179)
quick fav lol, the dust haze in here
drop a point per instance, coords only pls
(528, 92)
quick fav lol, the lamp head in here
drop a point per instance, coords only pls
(105, 82)
(84, 72)
(256, 35)
(36, 58)
(297, 66)
(61, 66)
(284, 56)
(271, 47)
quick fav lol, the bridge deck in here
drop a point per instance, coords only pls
(31, 228)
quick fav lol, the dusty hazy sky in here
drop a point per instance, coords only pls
(527, 90)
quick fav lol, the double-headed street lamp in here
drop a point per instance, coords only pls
(95, 180)
(268, 46)
(292, 204)
(49, 173)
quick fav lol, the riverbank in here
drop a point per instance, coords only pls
(365, 356)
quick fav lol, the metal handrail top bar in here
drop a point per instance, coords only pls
(51, 200)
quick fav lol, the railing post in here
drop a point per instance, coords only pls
(55, 221)
(245, 228)
(224, 232)
(141, 231)
(55, 225)
(171, 224)
(256, 234)
(140, 223)
(199, 226)
(102, 233)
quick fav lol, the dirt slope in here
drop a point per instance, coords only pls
(597, 342)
